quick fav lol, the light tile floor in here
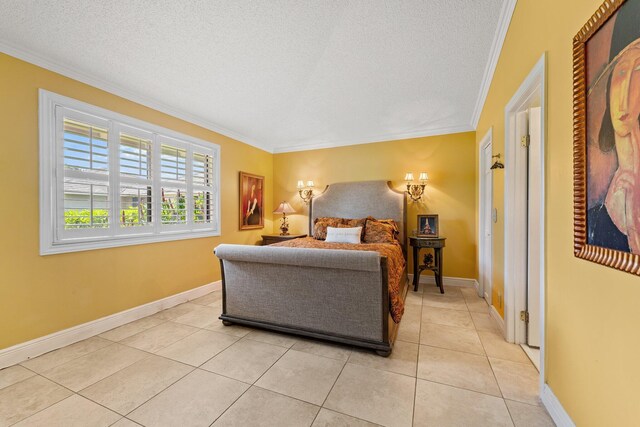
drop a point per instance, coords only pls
(181, 367)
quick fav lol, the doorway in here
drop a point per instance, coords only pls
(485, 229)
(524, 215)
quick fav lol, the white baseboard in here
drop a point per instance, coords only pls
(27, 350)
(447, 281)
(498, 319)
(555, 409)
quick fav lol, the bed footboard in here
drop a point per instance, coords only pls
(337, 295)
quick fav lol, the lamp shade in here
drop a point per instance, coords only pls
(423, 176)
(285, 208)
(300, 184)
(408, 176)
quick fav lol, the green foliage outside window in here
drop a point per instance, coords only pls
(199, 208)
(174, 214)
(81, 218)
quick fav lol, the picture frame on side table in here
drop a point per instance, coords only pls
(428, 226)
(606, 137)
(251, 201)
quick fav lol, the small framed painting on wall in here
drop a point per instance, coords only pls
(251, 201)
(428, 226)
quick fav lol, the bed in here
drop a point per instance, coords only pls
(317, 290)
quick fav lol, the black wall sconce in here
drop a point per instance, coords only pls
(497, 164)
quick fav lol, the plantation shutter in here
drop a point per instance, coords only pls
(173, 179)
(85, 203)
(203, 185)
(136, 195)
(110, 180)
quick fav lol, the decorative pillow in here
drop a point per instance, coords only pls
(380, 231)
(320, 226)
(354, 223)
(389, 221)
(343, 234)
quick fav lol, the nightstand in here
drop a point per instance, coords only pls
(435, 243)
(269, 239)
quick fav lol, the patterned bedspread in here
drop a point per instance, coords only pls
(395, 263)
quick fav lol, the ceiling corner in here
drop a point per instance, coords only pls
(117, 90)
(506, 13)
(388, 137)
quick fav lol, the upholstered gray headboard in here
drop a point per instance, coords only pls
(359, 200)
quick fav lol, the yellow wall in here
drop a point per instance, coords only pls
(592, 339)
(449, 160)
(40, 295)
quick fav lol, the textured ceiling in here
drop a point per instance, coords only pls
(281, 75)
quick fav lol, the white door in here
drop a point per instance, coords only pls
(520, 244)
(534, 225)
(486, 205)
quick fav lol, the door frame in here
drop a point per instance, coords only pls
(485, 261)
(515, 230)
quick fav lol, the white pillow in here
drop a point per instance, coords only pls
(343, 235)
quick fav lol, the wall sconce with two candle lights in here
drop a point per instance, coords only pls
(305, 192)
(416, 190)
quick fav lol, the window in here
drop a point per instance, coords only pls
(109, 180)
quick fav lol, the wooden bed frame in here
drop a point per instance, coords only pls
(278, 288)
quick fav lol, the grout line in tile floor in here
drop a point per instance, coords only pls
(77, 393)
(509, 412)
(263, 342)
(222, 375)
(250, 385)
(37, 412)
(494, 375)
(333, 385)
(164, 389)
(493, 372)
(232, 403)
(188, 373)
(161, 391)
(70, 360)
(320, 407)
(523, 403)
(486, 356)
(149, 354)
(459, 351)
(462, 388)
(109, 376)
(415, 383)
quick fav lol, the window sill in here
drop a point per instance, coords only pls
(46, 248)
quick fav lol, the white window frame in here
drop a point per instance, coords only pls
(52, 241)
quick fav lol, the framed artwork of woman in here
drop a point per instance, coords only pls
(251, 201)
(607, 137)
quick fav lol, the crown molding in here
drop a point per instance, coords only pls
(370, 140)
(115, 89)
(506, 13)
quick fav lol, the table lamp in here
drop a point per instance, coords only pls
(284, 208)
